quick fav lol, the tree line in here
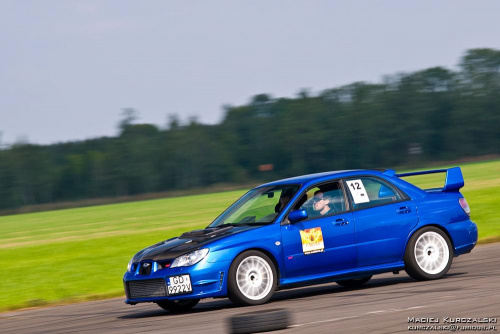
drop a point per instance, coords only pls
(407, 119)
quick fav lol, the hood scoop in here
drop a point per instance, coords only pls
(206, 233)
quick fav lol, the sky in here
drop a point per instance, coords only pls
(68, 68)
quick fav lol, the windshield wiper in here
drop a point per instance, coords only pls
(226, 225)
(241, 224)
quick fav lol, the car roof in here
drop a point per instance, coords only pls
(317, 177)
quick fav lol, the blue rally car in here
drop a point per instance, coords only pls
(342, 226)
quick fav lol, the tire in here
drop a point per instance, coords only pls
(178, 306)
(429, 254)
(354, 283)
(261, 321)
(252, 279)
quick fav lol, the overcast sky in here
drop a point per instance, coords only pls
(67, 68)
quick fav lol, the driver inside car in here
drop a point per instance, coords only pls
(320, 204)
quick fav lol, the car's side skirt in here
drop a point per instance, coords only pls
(338, 275)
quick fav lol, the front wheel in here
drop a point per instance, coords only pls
(252, 279)
(178, 306)
(429, 254)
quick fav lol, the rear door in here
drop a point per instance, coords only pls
(321, 243)
(384, 217)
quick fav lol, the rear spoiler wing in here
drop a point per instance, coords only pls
(453, 182)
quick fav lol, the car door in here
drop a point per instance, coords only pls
(384, 217)
(321, 243)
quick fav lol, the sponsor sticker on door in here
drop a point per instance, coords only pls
(312, 240)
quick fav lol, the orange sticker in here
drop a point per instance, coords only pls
(312, 240)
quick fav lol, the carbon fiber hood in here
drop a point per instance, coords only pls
(172, 248)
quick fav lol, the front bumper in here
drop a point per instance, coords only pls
(207, 280)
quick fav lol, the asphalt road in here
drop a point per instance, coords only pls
(470, 289)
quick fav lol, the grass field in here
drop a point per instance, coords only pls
(81, 254)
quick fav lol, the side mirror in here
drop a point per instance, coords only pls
(297, 216)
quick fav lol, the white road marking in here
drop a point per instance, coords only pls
(322, 321)
(394, 310)
(357, 316)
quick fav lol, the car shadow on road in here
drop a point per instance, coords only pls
(209, 306)
(287, 294)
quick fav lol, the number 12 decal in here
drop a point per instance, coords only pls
(355, 186)
(358, 191)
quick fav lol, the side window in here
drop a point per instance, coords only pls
(366, 192)
(323, 200)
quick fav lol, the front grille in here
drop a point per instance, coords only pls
(147, 288)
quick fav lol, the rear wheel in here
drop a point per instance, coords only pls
(354, 283)
(177, 306)
(252, 279)
(429, 254)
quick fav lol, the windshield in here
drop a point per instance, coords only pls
(258, 206)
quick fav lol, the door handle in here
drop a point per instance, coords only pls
(341, 222)
(403, 209)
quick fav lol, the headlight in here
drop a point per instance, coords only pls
(190, 258)
(129, 266)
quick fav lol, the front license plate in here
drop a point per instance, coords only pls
(178, 285)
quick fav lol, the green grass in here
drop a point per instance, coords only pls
(81, 254)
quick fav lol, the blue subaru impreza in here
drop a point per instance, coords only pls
(342, 226)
